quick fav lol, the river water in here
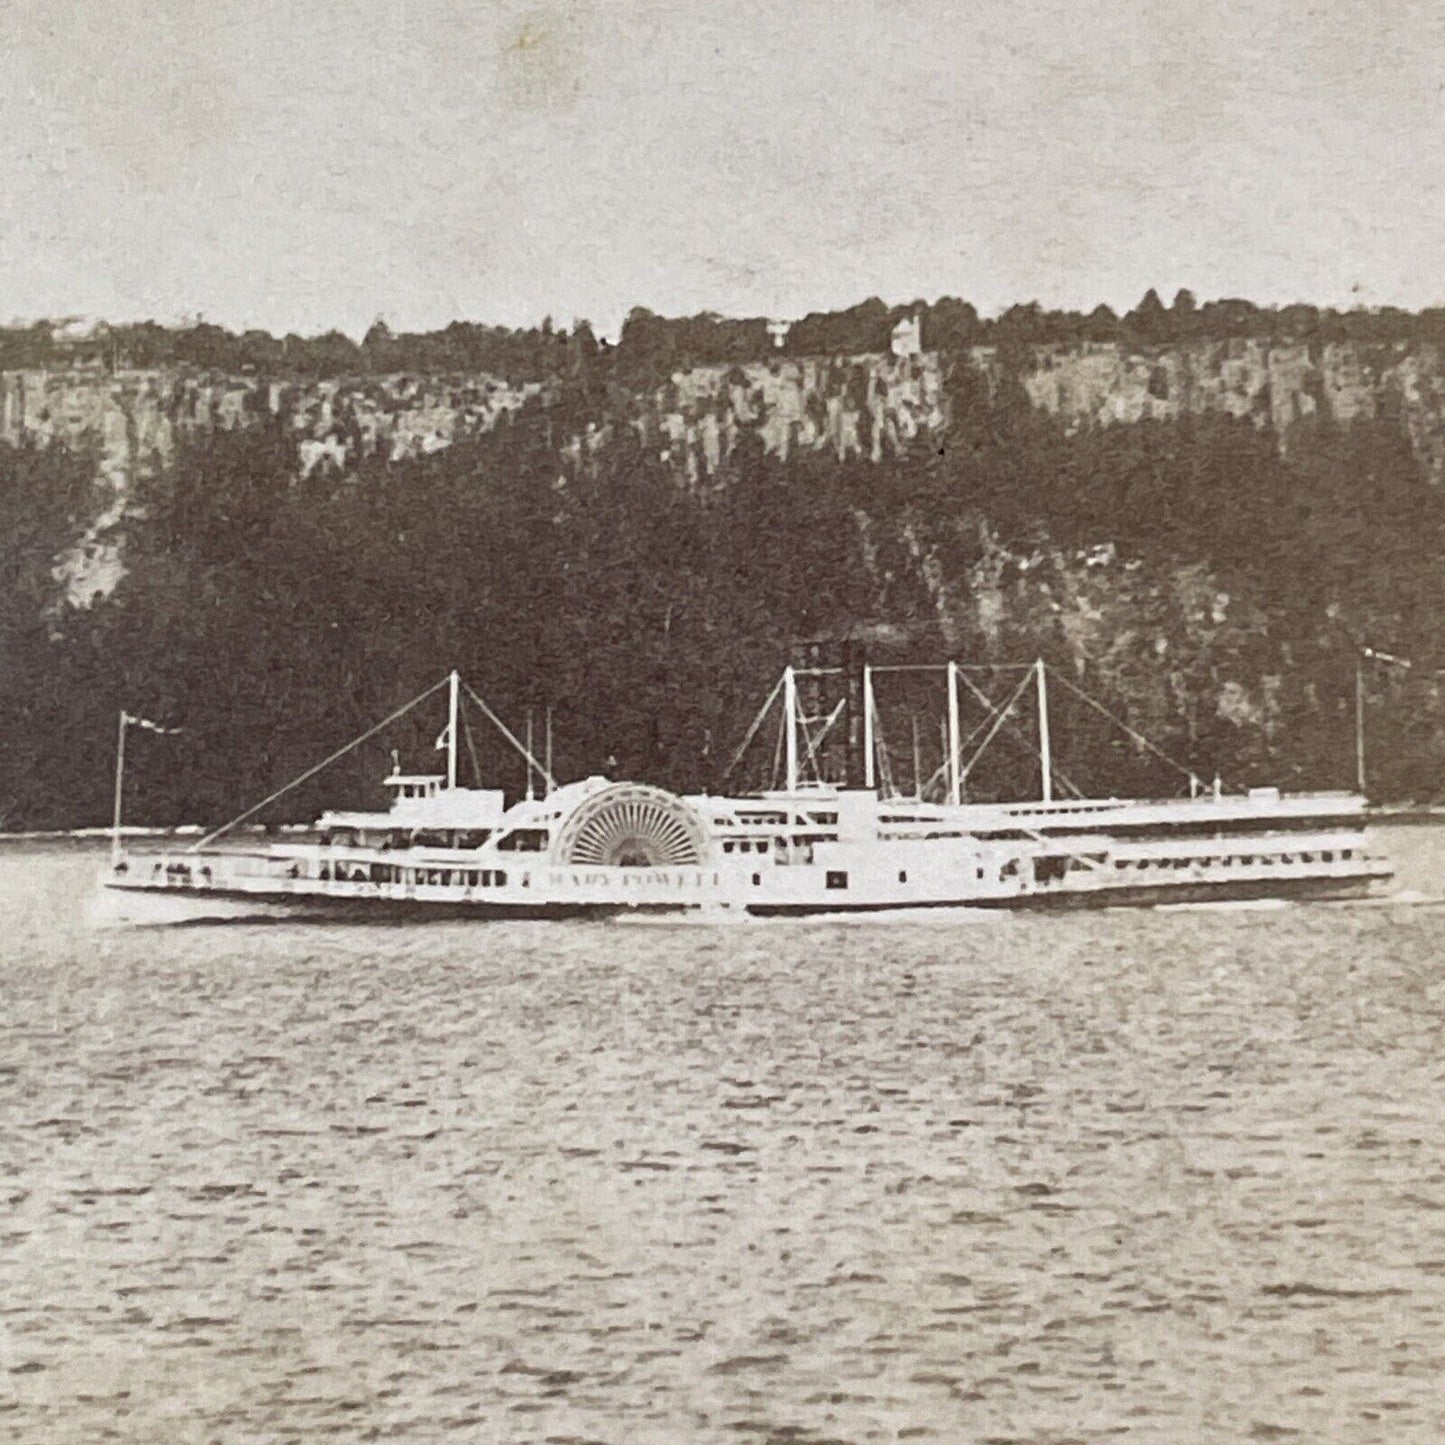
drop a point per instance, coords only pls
(1156, 1176)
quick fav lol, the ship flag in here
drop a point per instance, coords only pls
(151, 727)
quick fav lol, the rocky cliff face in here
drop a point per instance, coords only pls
(869, 406)
(134, 421)
(866, 406)
(1277, 385)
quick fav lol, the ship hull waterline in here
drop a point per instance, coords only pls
(139, 904)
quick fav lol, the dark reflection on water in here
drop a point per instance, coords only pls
(1156, 1176)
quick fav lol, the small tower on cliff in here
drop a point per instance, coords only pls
(907, 340)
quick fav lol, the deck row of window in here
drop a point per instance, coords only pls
(1245, 860)
(394, 873)
(838, 878)
(519, 840)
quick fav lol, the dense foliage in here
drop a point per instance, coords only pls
(1198, 579)
(651, 345)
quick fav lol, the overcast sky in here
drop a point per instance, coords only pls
(300, 166)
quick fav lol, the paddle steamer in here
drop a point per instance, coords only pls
(598, 847)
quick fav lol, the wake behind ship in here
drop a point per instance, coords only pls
(600, 848)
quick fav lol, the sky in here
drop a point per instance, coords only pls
(299, 167)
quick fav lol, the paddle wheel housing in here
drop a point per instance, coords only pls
(631, 825)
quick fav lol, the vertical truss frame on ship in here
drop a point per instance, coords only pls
(801, 736)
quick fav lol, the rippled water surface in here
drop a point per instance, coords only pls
(1154, 1176)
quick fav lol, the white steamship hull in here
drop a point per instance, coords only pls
(598, 849)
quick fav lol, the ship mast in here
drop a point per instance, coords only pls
(955, 783)
(453, 689)
(547, 765)
(1363, 655)
(867, 726)
(790, 712)
(1360, 724)
(1046, 763)
(531, 794)
(119, 785)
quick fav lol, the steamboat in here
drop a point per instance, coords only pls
(811, 845)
